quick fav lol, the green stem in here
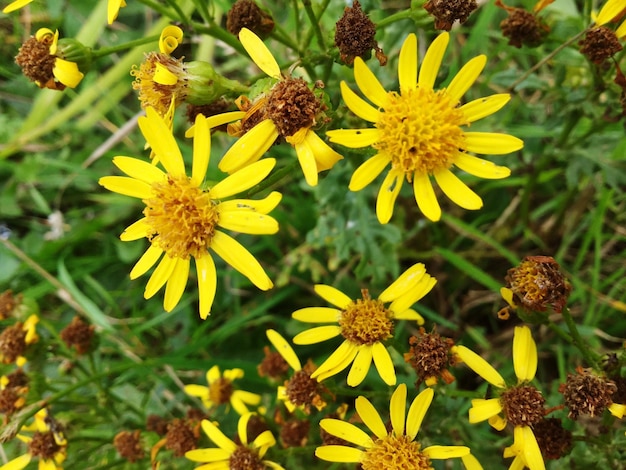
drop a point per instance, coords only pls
(104, 51)
(577, 340)
(273, 179)
(179, 12)
(560, 333)
(315, 23)
(158, 8)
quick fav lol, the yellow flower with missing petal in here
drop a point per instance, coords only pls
(182, 220)
(522, 405)
(396, 449)
(290, 109)
(420, 131)
(364, 324)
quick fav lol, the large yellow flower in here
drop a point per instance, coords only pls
(182, 219)
(289, 110)
(220, 390)
(522, 404)
(395, 449)
(364, 324)
(611, 10)
(231, 456)
(420, 131)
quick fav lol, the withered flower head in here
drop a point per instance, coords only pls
(12, 343)
(128, 445)
(586, 393)
(522, 27)
(157, 424)
(246, 14)
(538, 284)
(446, 12)
(429, 354)
(354, 36)
(78, 334)
(303, 391)
(181, 437)
(599, 44)
(295, 432)
(554, 441)
(273, 365)
(8, 303)
(44, 445)
(523, 405)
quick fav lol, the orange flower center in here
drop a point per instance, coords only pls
(366, 321)
(395, 453)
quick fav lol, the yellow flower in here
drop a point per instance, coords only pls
(611, 10)
(289, 110)
(391, 450)
(113, 8)
(364, 324)
(521, 404)
(47, 443)
(234, 456)
(301, 390)
(182, 219)
(419, 131)
(221, 391)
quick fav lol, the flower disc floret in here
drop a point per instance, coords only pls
(366, 321)
(397, 452)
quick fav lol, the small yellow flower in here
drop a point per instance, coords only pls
(113, 8)
(522, 404)
(234, 456)
(396, 449)
(613, 9)
(420, 131)
(221, 391)
(365, 324)
(182, 219)
(289, 110)
(45, 441)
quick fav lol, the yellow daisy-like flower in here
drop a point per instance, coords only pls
(301, 391)
(47, 443)
(419, 131)
(289, 110)
(522, 404)
(364, 324)
(391, 450)
(221, 391)
(113, 9)
(233, 456)
(611, 10)
(181, 219)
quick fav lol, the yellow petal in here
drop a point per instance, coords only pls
(610, 10)
(621, 31)
(127, 186)
(250, 147)
(360, 366)
(333, 296)
(163, 76)
(383, 363)
(162, 142)
(471, 463)
(248, 222)
(524, 354)
(417, 411)
(12, 7)
(176, 284)
(171, 37)
(346, 431)
(425, 197)
(357, 105)
(160, 276)
(259, 53)
(407, 64)
(307, 163)
(406, 300)
(465, 78)
(432, 61)
(317, 315)
(23, 460)
(482, 107)
(147, 260)
(388, 194)
(262, 206)
(337, 361)
(208, 455)
(217, 120)
(67, 72)
(284, 349)
(335, 453)
(207, 284)
(113, 9)
(370, 417)
(446, 452)
(368, 171)
(397, 410)
(201, 150)
(194, 390)
(407, 280)
(325, 157)
(369, 84)
(479, 167)
(457, 191)
(317, 334)
(482, 409)
(410, 315)
(135, 231)
(217, 436)
(241, 259)
(531, 450)
(491, 143)
(617, 410)
(480, 366)
(497, 422)
(243, 179)
(139, 169)
(354, 138)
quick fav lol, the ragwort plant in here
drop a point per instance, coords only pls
(470, 318)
